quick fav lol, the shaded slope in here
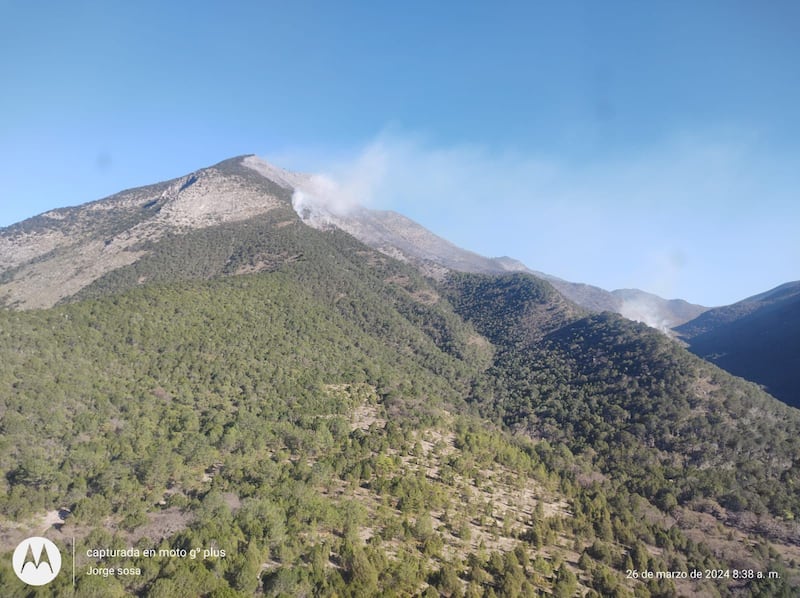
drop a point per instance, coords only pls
(757, 338)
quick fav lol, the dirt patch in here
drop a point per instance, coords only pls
(365, 416)
(476, 340)
(46, 524)
(162, 524)
(60, 527)
(425, 296)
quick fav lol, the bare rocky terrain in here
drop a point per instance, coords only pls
(59, 250)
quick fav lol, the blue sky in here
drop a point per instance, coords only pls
(624, 144)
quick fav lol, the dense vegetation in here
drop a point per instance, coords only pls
(339, 425)
(668, 424)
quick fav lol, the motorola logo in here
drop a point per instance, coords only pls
(36, 561)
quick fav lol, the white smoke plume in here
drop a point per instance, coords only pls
(646, 312)
(342, 189)
(604, 220)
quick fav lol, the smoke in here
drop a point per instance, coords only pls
(604, 220)
(646, 312)
(406, 173)
(320, 198)
(345, 187)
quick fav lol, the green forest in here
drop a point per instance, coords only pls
(309, 417)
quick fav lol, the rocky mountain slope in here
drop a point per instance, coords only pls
(56, 254)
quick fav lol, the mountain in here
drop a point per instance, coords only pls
(404, 239)
(279, 409)
(757, 338)
(73, 247)
(395, 235)
(69, 248)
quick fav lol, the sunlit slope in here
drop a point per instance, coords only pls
(307, 425)
(342, 425)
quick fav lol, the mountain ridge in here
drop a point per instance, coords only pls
(64, 246)
(341, 424)
(53, 245)
(757, 338)
(401, 237)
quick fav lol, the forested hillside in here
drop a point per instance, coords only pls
(622, 389)
(337, 424)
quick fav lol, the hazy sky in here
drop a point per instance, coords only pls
(624, 144)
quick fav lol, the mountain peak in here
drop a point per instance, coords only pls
(285, 178)
(71, 247)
